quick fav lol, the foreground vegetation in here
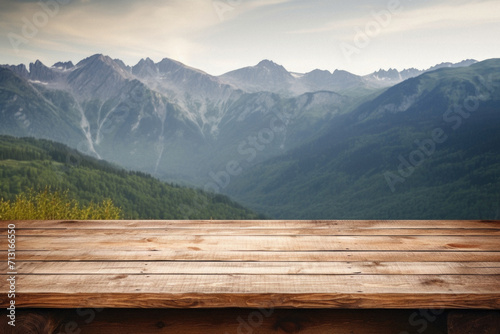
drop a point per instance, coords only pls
(54, 205)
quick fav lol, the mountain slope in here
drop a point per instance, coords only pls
(100, 109)
(173, 121)
(428, 148)
(29, 110)
(27, 162)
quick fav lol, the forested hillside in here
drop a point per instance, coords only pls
(428, 148)
(29, 163)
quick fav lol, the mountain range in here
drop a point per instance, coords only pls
(427, 148)
(243, 132)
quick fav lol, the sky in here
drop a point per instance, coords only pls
(217, 36)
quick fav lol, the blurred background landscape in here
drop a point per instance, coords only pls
(313, 110)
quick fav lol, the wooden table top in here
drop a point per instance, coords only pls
(215, 264)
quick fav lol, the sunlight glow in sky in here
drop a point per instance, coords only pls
(221, 35)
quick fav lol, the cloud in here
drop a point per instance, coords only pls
(149, 27)
(437, 15)
(263, 3)
(448, 15)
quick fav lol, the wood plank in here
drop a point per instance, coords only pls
(260, 300)
(256, 268)
(68, 232)
(261, 256)
(214, 284)
(262, 243)
(243, 321)
(257, 224)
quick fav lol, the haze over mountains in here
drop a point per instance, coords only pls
(427, 148)
(252, 131)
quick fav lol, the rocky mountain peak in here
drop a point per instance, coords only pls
(266, 75)
(272, 66)
(267, 63)
(40, 72)
(64, 65)
(20, 69)
(167, 65)
(144, 68)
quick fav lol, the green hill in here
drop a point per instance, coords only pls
(428, 148)
(30, 163)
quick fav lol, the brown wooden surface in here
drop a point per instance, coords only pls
(260, 243)
(255, 268)
(220, 264)
(261, 224)
(254, 256)
(72, 232)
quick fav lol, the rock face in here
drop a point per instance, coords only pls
(63, 65)
(42, 73)
(18, 69)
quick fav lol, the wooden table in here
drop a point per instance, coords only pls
(251, 270)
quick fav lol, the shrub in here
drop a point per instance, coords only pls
(54, 205)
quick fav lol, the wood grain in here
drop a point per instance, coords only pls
(225, 283)
(257, 224)
(255, 268)
(221, 300)
(261, 243)
(82, 255)
(284, 264)
(72, 232)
